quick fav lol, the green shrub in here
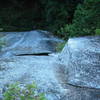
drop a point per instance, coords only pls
(13, 19)
(60, 46)
(67, 31)
(86, 19)
(21, 15)
(15, 92)
(97, 32)
(1, 29)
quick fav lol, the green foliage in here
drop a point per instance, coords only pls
(97, 32)
(15, 92)
(86, 19)
(67, 31)
(55, 14)
(1, 29)
(52, 15)
(60, 46)
(21, 15)
(13, 19)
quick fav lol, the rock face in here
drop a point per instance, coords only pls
(16, 64)
(81, 57)
(33, 42)
(74, 92)
(71, 75)
(26, 69)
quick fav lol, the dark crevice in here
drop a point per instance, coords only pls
(37, 54)
(83, 87)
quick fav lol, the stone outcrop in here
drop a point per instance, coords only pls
(81, 60)
(29, 69)
(16, 64)
(74, 74)
(32, 42)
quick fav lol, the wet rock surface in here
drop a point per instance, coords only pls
(52, 72)
(74, 92)
(32, 42)
(28, 69)
(81, 57)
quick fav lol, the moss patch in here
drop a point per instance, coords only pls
(60, 46)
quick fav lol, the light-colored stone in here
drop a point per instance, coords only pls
(31, 42)
(52, 73)
(81, 57)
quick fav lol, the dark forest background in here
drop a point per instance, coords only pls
(65, 18)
